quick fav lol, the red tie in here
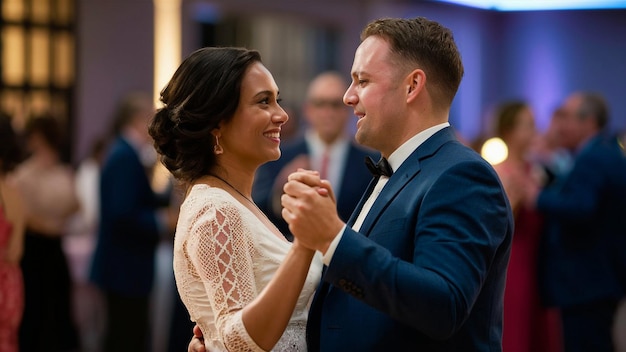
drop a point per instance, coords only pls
(324, 164)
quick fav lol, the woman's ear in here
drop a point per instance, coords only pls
(217, 148)
(216, 132)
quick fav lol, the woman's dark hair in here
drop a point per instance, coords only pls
(507, 117)
(49, 128)
(11, 153)
(203, 92)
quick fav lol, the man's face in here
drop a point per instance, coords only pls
(377, 96)
(324, 109)
(570, 127)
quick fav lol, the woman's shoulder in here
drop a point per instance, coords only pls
(203, 200)
(207, 211)
(203, 193)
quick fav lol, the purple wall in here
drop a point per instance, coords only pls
(114, 55)
(547, 55)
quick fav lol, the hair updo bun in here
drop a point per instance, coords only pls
(162, 131)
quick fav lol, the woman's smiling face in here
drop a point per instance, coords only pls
(253, 134)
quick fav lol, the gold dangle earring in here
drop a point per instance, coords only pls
(217, 148)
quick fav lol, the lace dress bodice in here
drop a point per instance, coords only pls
(223, 258)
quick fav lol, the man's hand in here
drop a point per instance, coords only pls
(310, 209)
(197, 342)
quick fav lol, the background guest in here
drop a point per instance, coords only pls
(584, 264)
(528, 326)
(130, 227)
(548, 150)
(47, 186)
(12, 222)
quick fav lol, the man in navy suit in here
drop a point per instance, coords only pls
(130, 227)
(584, 247)
(325, 147)
(420, 265)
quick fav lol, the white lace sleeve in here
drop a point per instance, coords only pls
(221, 250)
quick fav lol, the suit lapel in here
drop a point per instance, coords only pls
(395, 184)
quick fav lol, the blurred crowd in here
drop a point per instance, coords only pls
(78, 243)
(567, 188)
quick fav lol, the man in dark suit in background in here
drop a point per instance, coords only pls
(325, 147)
(131, 225)
(421, 264)
(584, 249)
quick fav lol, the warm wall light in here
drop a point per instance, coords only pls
(40, 57)
(37, 59)
(167, 42)
(64, 11)
(63, 51)
(13, 59)
(494, 150)
(40, 11)
(167, 53)
(13, 10)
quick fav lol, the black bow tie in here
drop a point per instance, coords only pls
(382, 168)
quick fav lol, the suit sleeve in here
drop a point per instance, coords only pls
(128, 200)
(455, 231)
(577, 198)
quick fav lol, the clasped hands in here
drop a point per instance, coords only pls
(309, 207)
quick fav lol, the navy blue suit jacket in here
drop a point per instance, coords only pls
(584, 247)
(427, 270)
(128, 232)
(354, 181)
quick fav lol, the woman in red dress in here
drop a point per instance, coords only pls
(12, 220)
(528, 326)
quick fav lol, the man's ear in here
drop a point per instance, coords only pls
(415, 82)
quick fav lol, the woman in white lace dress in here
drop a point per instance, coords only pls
(244, 285)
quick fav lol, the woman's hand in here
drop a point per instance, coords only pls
(197, 342)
